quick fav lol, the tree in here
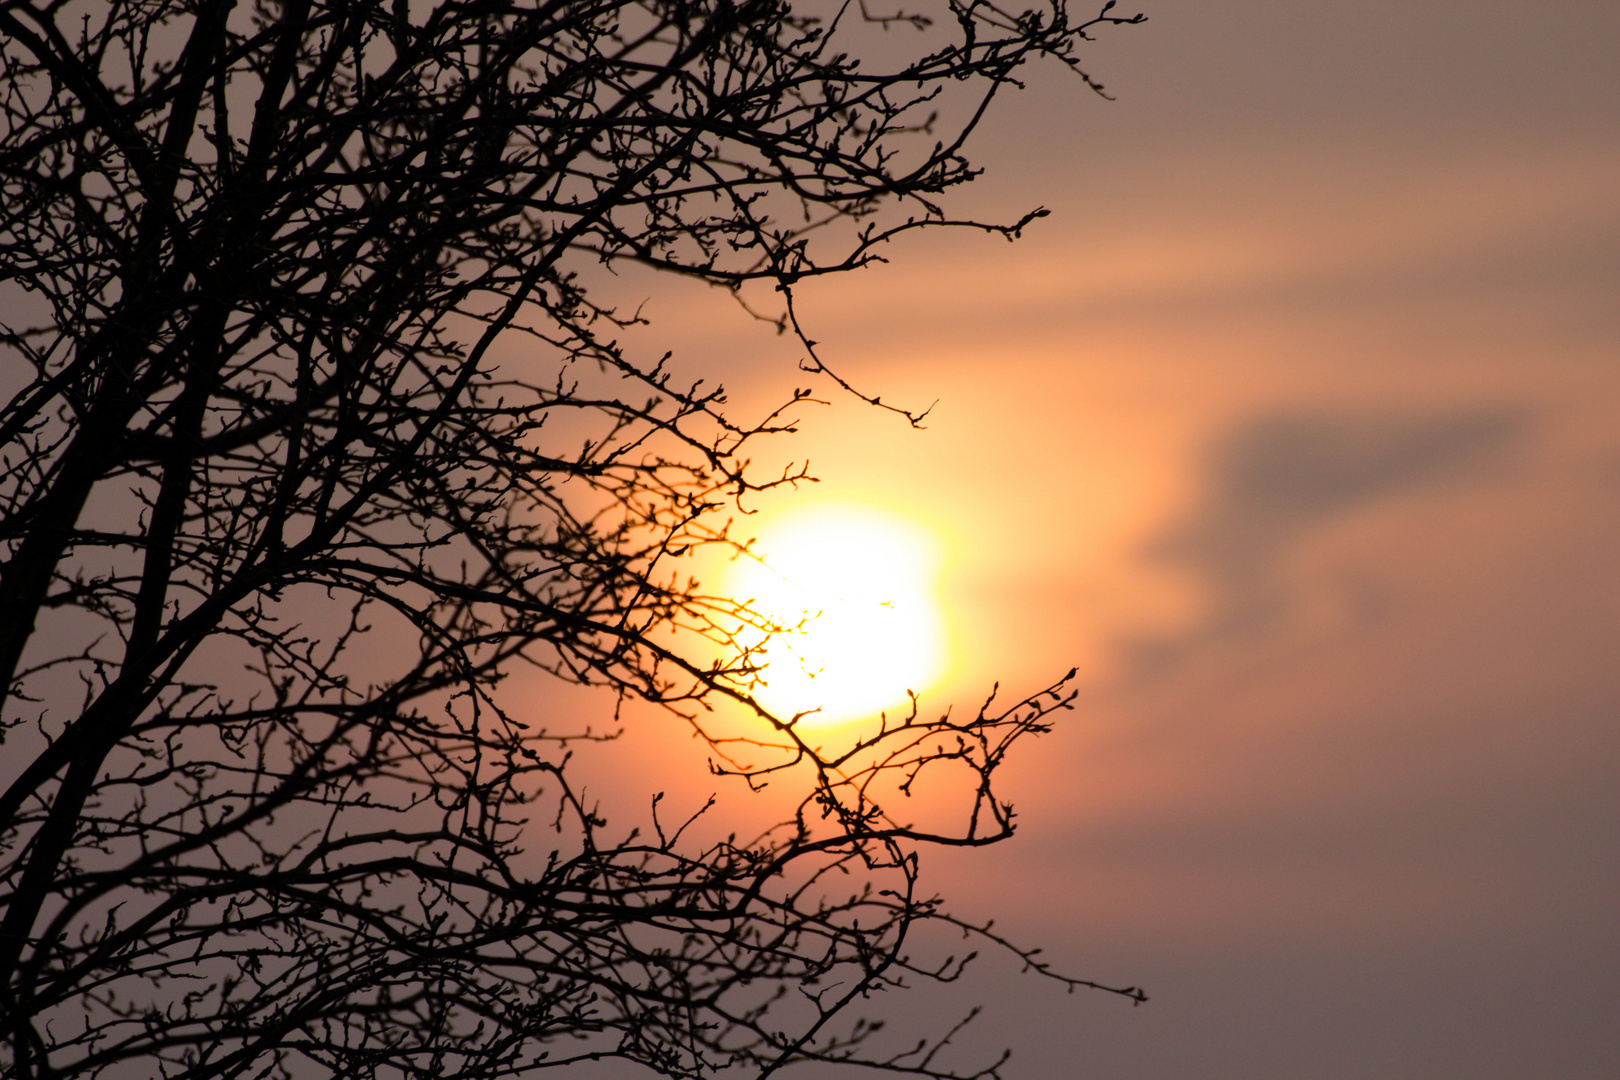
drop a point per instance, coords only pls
(277, 517)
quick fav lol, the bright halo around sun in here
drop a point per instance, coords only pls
(856, 588)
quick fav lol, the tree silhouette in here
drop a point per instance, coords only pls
(276, 520)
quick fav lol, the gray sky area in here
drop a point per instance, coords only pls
(1297, 427)
(1295, 430)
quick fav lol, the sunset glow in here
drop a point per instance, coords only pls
(854, 589)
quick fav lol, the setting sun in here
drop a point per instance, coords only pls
(855, 589)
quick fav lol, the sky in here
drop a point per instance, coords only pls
(1296, 429)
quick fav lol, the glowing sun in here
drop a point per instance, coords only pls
(855, 588)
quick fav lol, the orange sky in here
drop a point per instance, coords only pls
(1297, 427)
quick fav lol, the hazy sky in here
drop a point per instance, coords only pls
(1297, 427)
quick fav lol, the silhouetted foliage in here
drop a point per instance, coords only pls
(276, 520)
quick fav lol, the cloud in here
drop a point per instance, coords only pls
(1279, 480)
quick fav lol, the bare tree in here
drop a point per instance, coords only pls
(275, 523)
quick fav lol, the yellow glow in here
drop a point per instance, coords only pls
(862, 584)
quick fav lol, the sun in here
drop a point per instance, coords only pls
(855, 588)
